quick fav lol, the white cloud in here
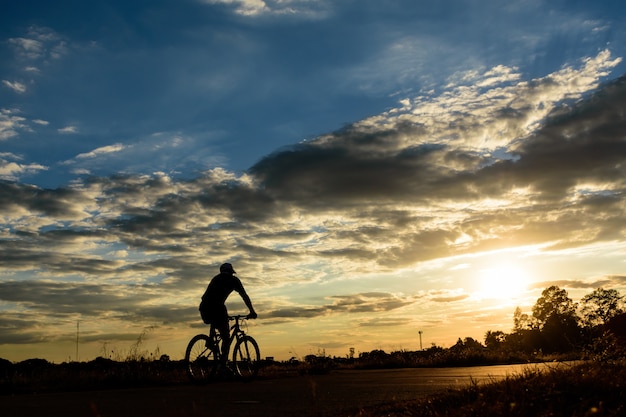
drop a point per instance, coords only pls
(251, 8)
(104, 150)
(28, 48)
(10, 123)
(36, 49)
(16, 86)
(68, 130)
(81, 171)
(39, 44)
(11, 171)
(163, 151)
(470, 110)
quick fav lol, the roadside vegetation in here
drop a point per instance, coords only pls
(557, 329)
(590, 389)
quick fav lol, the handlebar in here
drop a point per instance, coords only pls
(240, 317)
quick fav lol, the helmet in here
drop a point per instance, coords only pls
(227, 268)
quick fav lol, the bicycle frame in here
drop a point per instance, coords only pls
(235, 333)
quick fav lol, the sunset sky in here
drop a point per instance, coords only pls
(371, 168)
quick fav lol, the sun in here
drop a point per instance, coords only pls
(504, 282)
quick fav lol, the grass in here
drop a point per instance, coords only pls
(593, 388)
(589, 389)
(39, 375)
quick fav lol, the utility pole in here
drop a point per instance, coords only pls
(420, 332)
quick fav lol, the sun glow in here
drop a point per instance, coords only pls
(504, 282)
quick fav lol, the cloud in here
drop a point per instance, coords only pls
(11, 169)
(372, 302)
(37, 49)
(495, 163)
(101, 151)
(15, 86)
(11, 123)
(67, 301)
(68, 130)
(39, 44)
(600, 282)
(156, 153)
(252, 8)
(28, 48)
(449, 297)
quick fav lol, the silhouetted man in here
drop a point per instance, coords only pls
(213, 306)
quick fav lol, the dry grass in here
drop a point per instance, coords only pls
(38, 375)
(591, 389)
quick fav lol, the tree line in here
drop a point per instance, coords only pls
(559, 325)
(556, 328)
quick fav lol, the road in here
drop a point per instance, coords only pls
(315, 395)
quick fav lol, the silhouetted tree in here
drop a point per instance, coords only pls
(468, 344)
(553, 302)
(560, 333)
(494, 339)
(555, 314)
(524, 340)
(598, 307)
(521, 321)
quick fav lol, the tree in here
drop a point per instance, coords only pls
(468, 344)
(472, 344)
(560, 333)
(553, 302)
(521, 321)
(556, 318)
(526, 335)
(494, 339)
(598, 307)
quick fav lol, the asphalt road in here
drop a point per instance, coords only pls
(316, 395)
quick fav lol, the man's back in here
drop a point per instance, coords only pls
(220, 288)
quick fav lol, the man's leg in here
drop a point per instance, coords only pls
(222, 327)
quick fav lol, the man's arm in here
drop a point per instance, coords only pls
(246, 299)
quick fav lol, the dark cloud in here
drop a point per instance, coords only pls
(59, 302)
(355, 303)
(62, 203)
(70, 298)
(585, 145)
(345, 173)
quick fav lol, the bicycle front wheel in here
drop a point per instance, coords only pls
(200, 359)
(246, 358)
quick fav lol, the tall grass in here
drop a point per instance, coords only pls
(589, 389)
(38, 375)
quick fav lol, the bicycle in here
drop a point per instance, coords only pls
(203, 354)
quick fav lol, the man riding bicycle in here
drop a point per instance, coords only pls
(213, 306)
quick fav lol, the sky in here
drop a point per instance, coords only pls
(372, 169)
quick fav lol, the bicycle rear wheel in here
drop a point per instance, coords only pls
(246, 358)
(200, 359)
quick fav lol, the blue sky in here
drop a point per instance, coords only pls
(366, 165)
